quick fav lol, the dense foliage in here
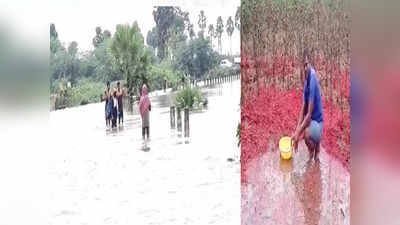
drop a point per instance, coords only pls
(86, 92)
(164, 71)
(131, 56)
(171, 23)
(196, 58)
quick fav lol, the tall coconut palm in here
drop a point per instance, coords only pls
(202, 22)
(219, 30)
(211, 32)
(229, 29)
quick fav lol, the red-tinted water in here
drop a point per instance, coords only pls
(297, 191)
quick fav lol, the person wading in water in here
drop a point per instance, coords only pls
(144, 108)
(120, 95)
(310, 119)
(108, 106)
(114, 111)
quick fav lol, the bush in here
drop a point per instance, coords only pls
(85, 92)
(188, 98)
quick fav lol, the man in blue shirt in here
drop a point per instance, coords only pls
(311, 117)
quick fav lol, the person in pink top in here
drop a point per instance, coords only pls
(144, 108)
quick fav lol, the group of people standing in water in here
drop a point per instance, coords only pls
(114, 108)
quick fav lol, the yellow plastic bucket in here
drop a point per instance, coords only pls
(285, 147)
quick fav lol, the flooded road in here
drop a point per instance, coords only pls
(298, 191)
(104, 176)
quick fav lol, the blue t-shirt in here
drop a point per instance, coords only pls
(311, 92)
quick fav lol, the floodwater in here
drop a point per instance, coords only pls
(298, 191)
(105, 176)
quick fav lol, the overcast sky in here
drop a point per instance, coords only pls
(76, 20)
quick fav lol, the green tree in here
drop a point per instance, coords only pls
(152, 38)
(88, 65)
(99, 64)
(64, 62)
(196, 58)
(202, 22)
(105, 68)
(67, 64)
(54, 41)
(164, 17)
(58, 61)
(176, 35)
(229, 29)
(131, 57)
(219, 30)
(53, 32)
(161, 72)
(73, 62)
(166, 35)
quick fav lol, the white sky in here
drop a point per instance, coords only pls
(76, 20)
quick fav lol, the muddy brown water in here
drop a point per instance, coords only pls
(296, 191)
(105, 176)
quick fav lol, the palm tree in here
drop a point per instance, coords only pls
(191, 31)
(219, 31)
(237, 18)
(216, 36)
(202, 22)
(130, 56)
(211, 32)
(229, 29)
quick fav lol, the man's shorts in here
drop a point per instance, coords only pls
(316, 131)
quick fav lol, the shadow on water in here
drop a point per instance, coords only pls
(112, 131)
(145, 148)
(131, 121)
(119, 128)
